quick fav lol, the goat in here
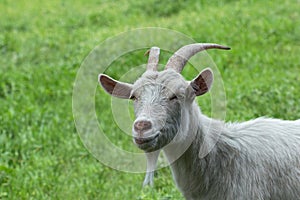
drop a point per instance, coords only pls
(257, 159)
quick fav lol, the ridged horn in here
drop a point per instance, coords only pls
(153, 58)
(182, 55)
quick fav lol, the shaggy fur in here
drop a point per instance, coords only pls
(258, 159)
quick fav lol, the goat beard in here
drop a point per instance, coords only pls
(152, 158)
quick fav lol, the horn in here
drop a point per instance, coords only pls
(153, 58)
(182, 55)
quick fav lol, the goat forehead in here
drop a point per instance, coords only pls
(169, 79)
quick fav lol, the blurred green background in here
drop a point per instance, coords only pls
(42, 44)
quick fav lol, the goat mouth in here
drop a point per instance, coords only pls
(142, 141)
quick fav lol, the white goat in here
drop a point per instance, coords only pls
(258, 159)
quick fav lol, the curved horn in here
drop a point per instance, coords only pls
(153, 58)
(182, 55)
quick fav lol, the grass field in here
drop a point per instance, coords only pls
(42, 44)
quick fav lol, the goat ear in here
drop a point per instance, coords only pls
(203, 82)
(115, 88)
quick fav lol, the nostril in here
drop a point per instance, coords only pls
(141, 126)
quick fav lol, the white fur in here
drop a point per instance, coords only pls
(258, 159)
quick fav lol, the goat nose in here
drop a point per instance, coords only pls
(142, 126)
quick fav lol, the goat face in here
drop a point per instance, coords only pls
(158, 99)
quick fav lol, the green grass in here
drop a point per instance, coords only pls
(42, 44)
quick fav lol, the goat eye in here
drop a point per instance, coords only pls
(173, 98)
(132, 97)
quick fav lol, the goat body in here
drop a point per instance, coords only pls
(258, 159)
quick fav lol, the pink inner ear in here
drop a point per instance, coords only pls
(107, 83)
(115, 88)
(202, 83)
